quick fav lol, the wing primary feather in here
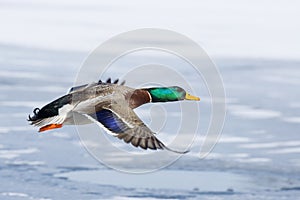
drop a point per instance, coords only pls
(143, 143)
(121, 136)
(151, 144)
(172, 150)
(108, 80)
(157, 144)
(135, 141)
(116, 81)
(128, 138)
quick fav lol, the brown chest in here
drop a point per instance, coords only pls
(137, 98)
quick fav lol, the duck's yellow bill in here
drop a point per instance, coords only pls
(191, 97)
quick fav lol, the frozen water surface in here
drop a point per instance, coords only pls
(257, 156)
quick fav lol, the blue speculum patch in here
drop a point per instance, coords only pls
(110, 120)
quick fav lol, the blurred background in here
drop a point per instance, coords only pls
(255, 45)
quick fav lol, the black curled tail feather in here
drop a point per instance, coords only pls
(35, 115)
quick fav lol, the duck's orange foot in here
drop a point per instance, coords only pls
(49, 127)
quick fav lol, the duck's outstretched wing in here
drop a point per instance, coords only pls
(82, 87)
(122, 122)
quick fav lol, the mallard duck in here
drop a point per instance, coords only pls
(110, 105)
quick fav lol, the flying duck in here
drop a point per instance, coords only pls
(110, 105)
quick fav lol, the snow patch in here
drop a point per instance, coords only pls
(295, 120)
(26, 162)
(285, 151)
(252, 113)
(10, 154)
(254, 160)
(270, 145)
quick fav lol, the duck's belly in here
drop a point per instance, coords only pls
(75, 118)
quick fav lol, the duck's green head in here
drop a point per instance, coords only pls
(174, 93)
